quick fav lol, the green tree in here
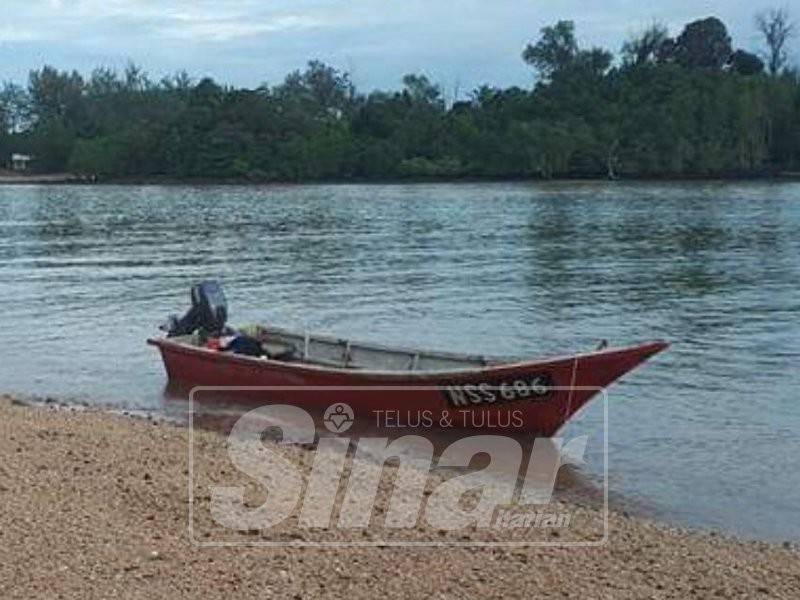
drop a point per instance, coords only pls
(14, 108)
(745, 63)
(57, 96)
(556, 49)
(645, 47)
(704, 43)
(689, 106)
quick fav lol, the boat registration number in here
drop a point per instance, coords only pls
(531, 387)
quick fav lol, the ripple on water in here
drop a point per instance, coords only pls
(706, 434)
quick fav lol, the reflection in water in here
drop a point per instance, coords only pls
(704, 433)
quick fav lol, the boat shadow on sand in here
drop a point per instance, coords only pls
(220, 411)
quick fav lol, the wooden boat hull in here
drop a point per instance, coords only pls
(535, 396)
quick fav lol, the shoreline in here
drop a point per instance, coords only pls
(42, 179)
(95, 503)
(80, 180)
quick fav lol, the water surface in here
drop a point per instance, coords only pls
(707, 434)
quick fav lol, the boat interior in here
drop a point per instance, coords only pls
(209, 312)
(328, 351)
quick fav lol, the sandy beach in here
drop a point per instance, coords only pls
(11, 178)
(96, 505)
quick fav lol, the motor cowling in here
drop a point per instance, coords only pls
(208, 314)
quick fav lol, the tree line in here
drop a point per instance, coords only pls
(685, 106)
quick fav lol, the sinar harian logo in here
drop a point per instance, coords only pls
(338, 418)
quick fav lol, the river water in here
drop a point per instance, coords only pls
(706, 434)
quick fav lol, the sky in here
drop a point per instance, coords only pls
(459, 44)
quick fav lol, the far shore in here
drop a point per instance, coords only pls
(96, 505)
(9, 178)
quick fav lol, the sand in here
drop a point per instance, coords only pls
(16, 178)
(95, 505)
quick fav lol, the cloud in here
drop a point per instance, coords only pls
(215, 30)
(9, 34)
(245, 42)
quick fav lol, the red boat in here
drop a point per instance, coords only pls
(467, 391)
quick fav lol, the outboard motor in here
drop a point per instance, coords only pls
(208, 314)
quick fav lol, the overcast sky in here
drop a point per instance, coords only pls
(458, 43)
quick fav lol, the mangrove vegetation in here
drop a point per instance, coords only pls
(685, 105)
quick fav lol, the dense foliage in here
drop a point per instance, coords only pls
(685, 106)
